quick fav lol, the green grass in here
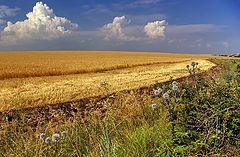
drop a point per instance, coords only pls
(138, 134)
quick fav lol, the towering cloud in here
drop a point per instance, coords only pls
(41, 23)
(115, 30)
(156, 29)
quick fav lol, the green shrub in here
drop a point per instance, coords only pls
(209, 119)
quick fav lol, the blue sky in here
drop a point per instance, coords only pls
(191, 26)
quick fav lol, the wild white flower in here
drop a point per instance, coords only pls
(42, 136)
(175, 88)
(165, 96)
(55, 137)
(154, 106)
(175, 83)
(160, 89)
(157, 91)
(64, 134)
(48, 140)
(169, 91)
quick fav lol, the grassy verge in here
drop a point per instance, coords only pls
(199, 117)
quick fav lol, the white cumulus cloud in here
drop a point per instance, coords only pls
(156, 29)
(115, 30)
(41, 23)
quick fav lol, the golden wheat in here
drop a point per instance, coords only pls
(37, 64)
(120, 70)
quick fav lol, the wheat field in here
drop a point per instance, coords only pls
(29, 79)
(37, 64)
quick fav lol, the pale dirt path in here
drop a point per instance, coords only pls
(52, 90)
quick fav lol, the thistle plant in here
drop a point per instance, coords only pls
(166, 96)
(170, 98)
(42, 136)
(154, 106)
(55, 138)
(48, 140)
(157, 91)
(192, 69)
